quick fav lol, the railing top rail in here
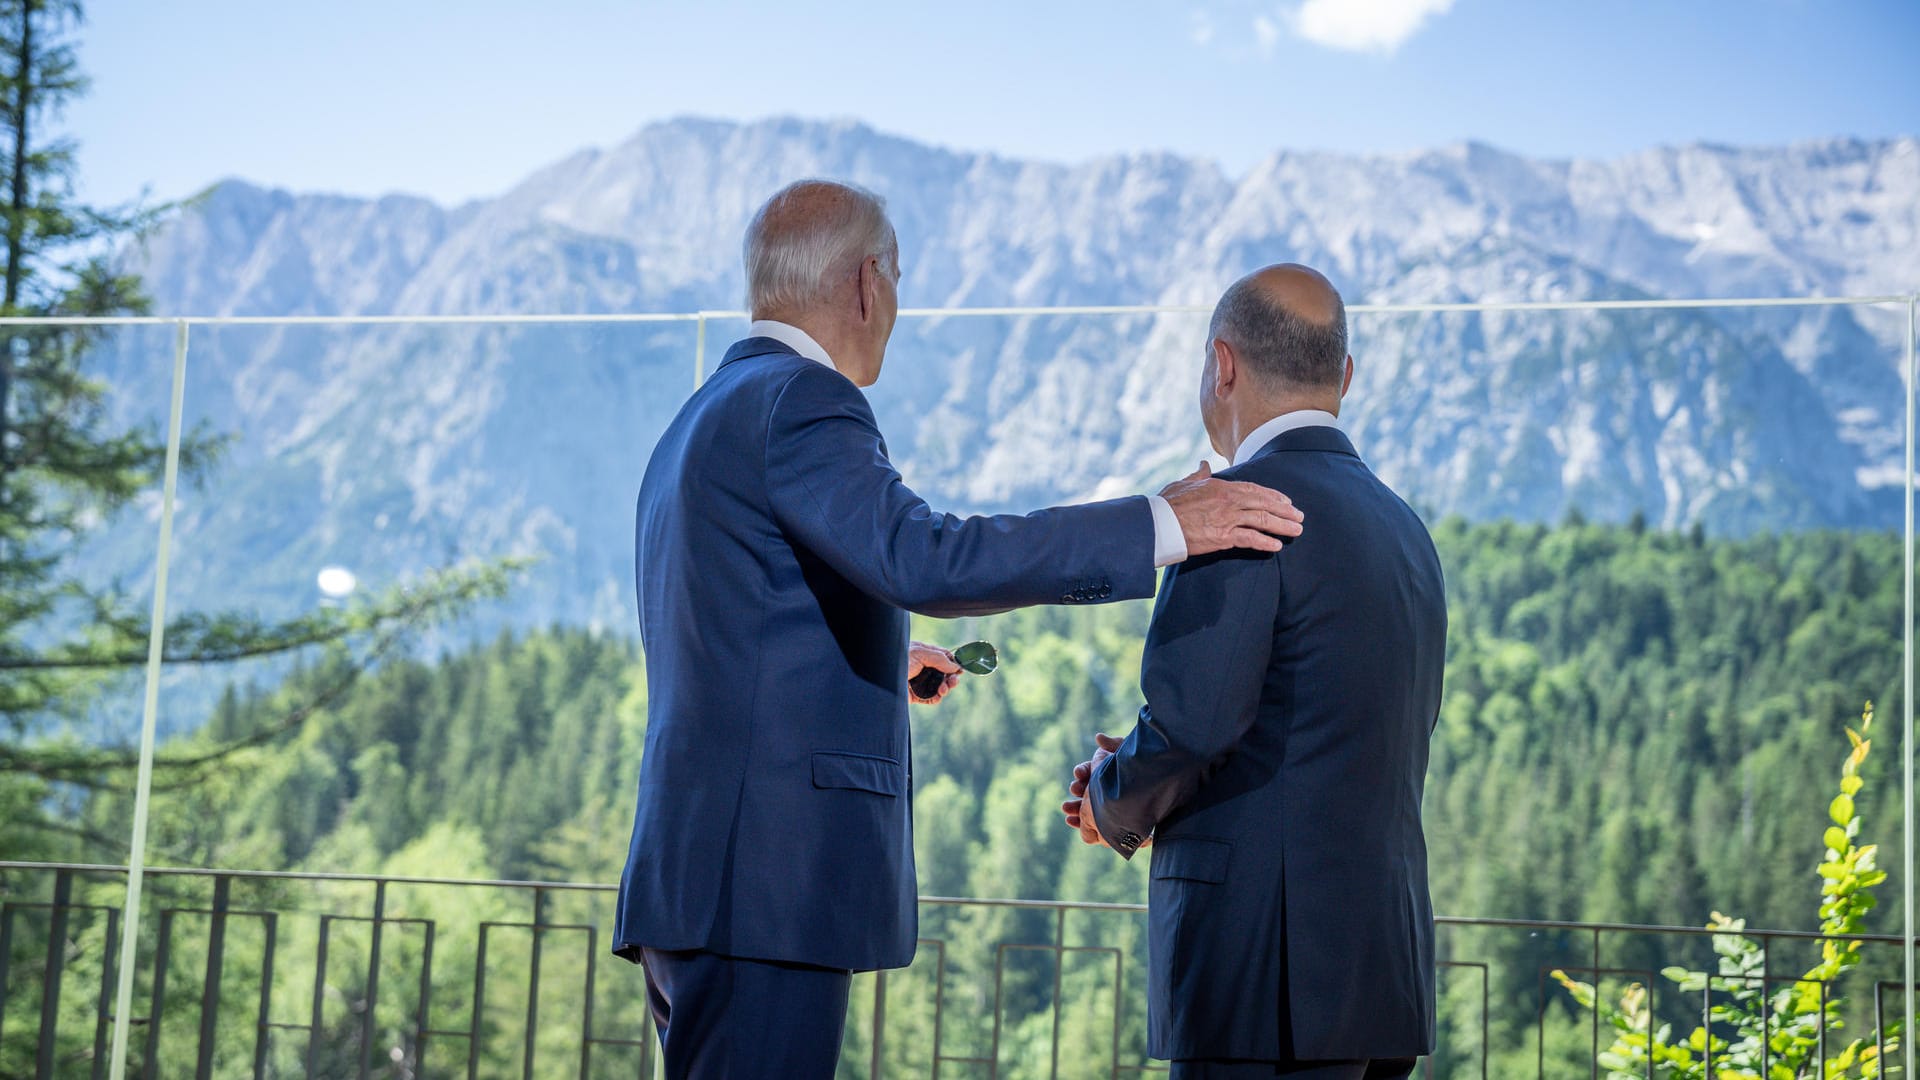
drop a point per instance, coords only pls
(952, 901)
(313, 875)
(589, 318)
(1657, 928)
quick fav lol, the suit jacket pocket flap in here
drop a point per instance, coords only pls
(860, 772)
(1191, 858)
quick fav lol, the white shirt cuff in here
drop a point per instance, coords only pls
(1169, 543)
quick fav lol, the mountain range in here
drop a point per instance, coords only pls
(386, 449)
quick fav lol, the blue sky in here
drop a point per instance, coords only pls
(461, 99)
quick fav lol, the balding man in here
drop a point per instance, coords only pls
(1279, 762)
(778, 554)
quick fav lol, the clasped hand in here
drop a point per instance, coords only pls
(1079, 814)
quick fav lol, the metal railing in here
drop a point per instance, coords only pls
(246, 1013)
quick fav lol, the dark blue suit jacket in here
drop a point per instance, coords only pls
(777, 554)
(1279, 765)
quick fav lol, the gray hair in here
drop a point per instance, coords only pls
(1283, 348)
(809, 235)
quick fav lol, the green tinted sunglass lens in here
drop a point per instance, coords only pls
(978, 658)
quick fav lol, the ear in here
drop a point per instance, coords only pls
(1226, 368)
(1347, 381)
(869, 287)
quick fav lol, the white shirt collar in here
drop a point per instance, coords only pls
(792, 337)
(1279, 426)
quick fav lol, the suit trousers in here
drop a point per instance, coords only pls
(1220, 1069)
(725, 1018)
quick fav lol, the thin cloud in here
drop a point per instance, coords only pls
(1266, 34)
(1379, 26)
(1201, 29)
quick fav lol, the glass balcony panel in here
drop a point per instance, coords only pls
(1667, 602)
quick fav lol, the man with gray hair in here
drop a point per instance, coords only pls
(778, 553)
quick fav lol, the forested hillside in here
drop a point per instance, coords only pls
(1634, 722)
(1638, 726)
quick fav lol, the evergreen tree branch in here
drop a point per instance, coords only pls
(228, 638)
(395, 621)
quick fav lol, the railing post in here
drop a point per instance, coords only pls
(143, 786)
(1766, 1013)
(150, 1064)
(6, 958)
(210, 986)
(103, 1012)
(55, 970)
(879, 1023)
(319, 1012)
(1486, 1024)
(263, 1020)
(940, 1003)
(533, 980)
(422, 1014)
(1593, 1067)
(586, 1012)
(1059, 978)
(368, 1026)
(479, 998)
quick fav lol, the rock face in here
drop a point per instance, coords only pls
(387, 449)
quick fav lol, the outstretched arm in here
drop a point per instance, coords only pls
(833, 489)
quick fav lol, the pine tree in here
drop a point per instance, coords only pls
(66, 466)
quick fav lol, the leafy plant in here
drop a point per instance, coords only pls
(1776, 1034)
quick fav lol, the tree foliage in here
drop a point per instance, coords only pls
(1633, 731)
(66, 465)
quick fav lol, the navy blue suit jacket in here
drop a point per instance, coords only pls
(1279, 765)
(777, 555)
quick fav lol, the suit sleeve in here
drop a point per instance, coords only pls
(1205, 662)
(835, 493)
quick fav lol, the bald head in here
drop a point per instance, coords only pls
(807, 239)
(1288, 326)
